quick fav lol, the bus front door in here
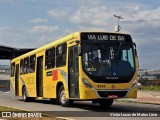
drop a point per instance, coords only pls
(73, 69)
(39, 76)
(17, 80)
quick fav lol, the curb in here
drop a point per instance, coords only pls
(134, 101)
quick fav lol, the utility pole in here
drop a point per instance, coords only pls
(117, 27)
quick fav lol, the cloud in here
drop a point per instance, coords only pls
(101, 15)
(151, 17)
(24, 38)
(38, 20)
(42, 28)
(144, 25)
(58, 12)
(95, 16)
(45, 39)
(10, 1)
(141, 22)
(13, 37)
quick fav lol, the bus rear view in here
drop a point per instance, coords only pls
(109, 64)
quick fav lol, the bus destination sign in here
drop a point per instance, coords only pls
(105, 36)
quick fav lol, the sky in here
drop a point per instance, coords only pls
(34, 23)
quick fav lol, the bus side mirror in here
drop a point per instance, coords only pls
(135, 49)
(136, 55)
(135, 52)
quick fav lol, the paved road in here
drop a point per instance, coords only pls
(82, 108)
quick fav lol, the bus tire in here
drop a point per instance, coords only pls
(62, 98)
(24, 95)
(105, 103)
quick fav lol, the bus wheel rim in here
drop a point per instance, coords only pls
(24, 95)
(63, 97)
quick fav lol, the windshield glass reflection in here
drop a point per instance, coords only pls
(108, 60)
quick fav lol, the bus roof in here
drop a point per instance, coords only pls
(59, 41)
(47, 46)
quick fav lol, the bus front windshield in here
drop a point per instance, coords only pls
(108, 60)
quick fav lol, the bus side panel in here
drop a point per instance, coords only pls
(53, 76)
(63, 77)
(30, 83)
(49, 85)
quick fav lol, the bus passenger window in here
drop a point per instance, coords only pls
(50, 58)
(32, 63)
(26, 66)
(61, 51)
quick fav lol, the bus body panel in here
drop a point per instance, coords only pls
(50, 80)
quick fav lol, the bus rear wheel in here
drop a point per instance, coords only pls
(105, 103)
(62, 98)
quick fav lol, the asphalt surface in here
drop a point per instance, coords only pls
(80, 110)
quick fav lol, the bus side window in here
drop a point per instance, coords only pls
(50, 58)
(32, 64)
(21, 67)
(61, 51)
(26, 65)
(12, 69)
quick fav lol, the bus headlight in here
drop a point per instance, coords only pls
(133, 85)
(87, 84)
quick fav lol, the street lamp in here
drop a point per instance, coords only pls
(117, 28)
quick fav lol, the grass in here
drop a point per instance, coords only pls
(2, 108)
(152, 88)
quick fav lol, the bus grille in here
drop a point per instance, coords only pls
(106, 93)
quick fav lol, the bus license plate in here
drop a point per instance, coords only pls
(112, 96)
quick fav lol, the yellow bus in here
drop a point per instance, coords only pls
(88, 66)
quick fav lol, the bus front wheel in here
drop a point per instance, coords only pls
(105, 103)
(62, 98)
